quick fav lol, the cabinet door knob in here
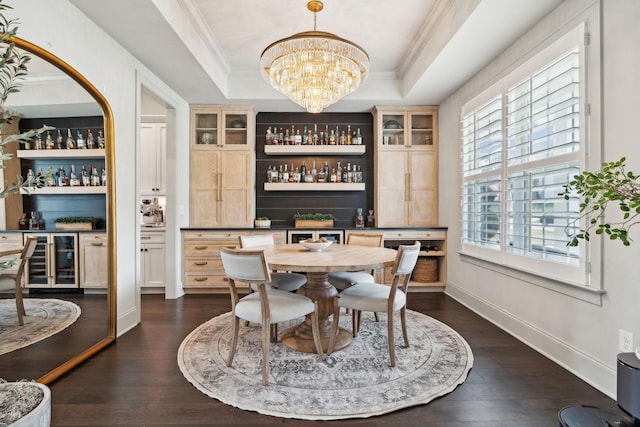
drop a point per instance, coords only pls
(201, 248)
(201, 279)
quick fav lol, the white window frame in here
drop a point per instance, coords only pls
(587, 273)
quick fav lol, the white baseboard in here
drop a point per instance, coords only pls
(592, 371)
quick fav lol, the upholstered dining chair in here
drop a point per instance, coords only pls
(342, 280)
(381, 298)
(267, 306)
(283, 281)
(13, 281)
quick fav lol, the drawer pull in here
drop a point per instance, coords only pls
(145, 237)
(201, 279)
(96, 244)
(201, 263)
(201, 248)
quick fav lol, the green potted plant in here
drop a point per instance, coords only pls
(76, 223)
(313, 220)
(612, 184)
(262, 222)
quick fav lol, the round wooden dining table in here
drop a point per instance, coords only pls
(317, 266)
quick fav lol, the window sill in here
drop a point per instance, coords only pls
(590, 295)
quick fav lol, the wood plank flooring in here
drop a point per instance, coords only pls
(137, 382)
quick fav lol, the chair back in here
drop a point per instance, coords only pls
(363, 239)
(27, 252)
(256, 240)
(406, 259)
(245, 265)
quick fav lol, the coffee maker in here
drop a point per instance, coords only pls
(151, 213)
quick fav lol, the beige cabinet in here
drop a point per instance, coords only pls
(222, 167)
(406, 165)
(153, 147)
(202, 269)
(152, 259)
(93, 248)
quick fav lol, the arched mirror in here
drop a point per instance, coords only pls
(76, 265)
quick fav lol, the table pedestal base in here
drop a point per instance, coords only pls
(304, 343)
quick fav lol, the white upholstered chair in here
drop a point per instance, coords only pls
(283, 281)
(381, 298)
(342, 280)
(267, 306)
(13, 281)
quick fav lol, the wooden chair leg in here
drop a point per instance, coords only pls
(354, 323)
(392, 352)
(19, 303)
(266, 336)
(375, 315)
(403, 319)
(234, 340)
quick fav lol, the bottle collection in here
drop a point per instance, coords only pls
(308, 136)
(338, 174)
(60, 178)
(71, 141)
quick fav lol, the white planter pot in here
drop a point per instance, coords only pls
(40, 416)
(262, 223)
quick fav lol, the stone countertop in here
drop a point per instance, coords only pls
(281, 228)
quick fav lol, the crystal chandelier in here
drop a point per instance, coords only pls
(314, 68)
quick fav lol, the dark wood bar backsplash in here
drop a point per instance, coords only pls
(280, 206)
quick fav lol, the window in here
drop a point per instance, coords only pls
(522, 140)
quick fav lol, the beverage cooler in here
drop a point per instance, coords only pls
(295, 236)
(54, 263)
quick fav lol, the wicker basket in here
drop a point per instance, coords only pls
(426, 270)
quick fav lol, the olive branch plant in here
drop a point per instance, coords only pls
(611, 184)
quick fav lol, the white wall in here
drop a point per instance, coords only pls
(60, 28)
(580, 335)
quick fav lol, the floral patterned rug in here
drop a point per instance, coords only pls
(45, 317)
(355, 382)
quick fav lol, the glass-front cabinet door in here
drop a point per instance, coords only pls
(407, 127)
(393, 125)
(54, 263)
(205, 127)
(422, 132)
(235, 128)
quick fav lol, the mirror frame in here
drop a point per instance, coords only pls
(111, 208)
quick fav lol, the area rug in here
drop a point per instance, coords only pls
(355, 382)
(45, 317)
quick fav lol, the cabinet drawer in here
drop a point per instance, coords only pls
(210, 265)
(211, 235)
(151, 238)
(414, 234)
(11, 240)
(205, 249)
(195, 280)
(91, 238)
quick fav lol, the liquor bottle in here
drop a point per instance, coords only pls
(304, 136)
(344, 175)
(309, 137)
(38, 143)
(359, 220)
(325, 169)
(59, 140)
(51, 177)
(359, 137)
(104, 177)
(343, 138)
(296, 175)
(349, 139)
(332, 138)
(23, 222)
(269, 174)
(286, 137)
(91, 142)
(31, 178)
(281, 137)
(339, 173)
(315, 134)
(297, 139)
(80, 141)
(357, 174)
(321, 140)
(349, 173)
(308, 177)
(268, 140)
(333, 177)
(40, 178)
(280, 173)
(70, 142)
(274, 174)
(84, 177)
(49, 142)
(73, 177)
(326, 135)
(100, 139)
(63, 179)
(303, 170)
(95, 178)
(285, 174)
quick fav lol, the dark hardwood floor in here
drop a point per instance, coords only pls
(137, 382)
